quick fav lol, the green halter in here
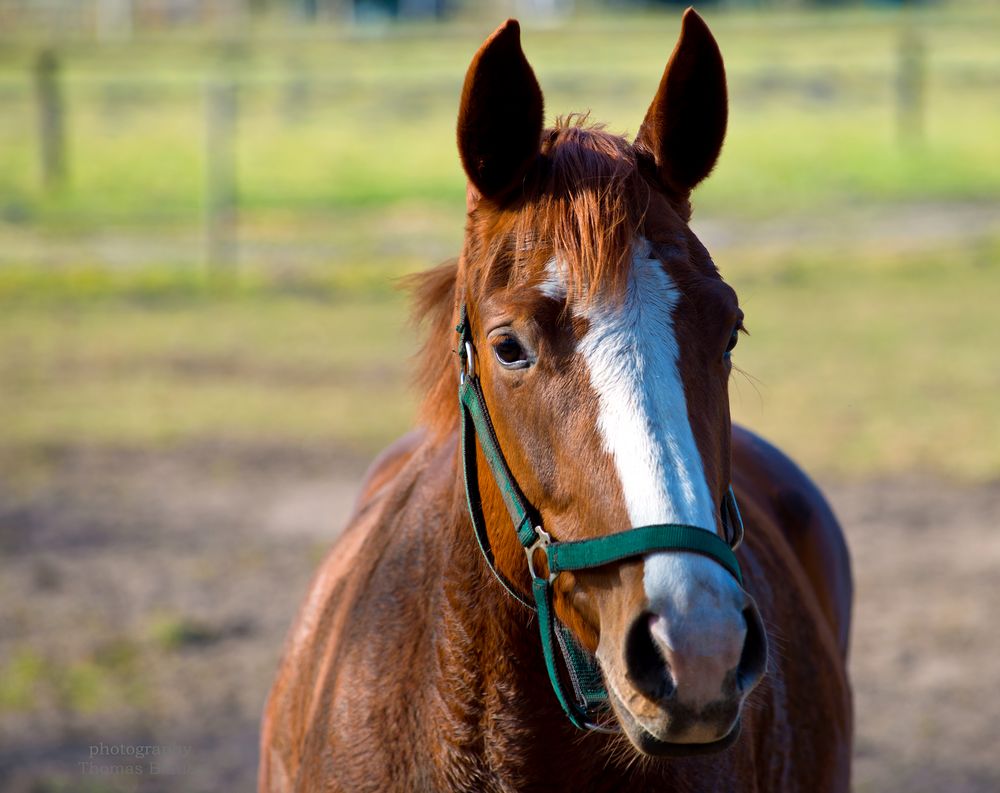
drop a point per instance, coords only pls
(586, 696)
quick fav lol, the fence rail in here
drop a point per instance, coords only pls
(229, 109)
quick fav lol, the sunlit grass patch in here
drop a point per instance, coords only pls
(874, 364)
(174, 632)
(138, 361)
(103, 679)
(21, 680)
(333, 124)
(346, 173)
(864, 361)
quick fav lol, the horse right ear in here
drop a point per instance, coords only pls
(500, 116)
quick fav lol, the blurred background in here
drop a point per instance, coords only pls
(205, 206)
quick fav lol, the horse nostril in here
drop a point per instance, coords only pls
(753, 659)
(646, 668)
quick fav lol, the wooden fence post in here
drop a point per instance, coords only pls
(51, 130)
(221, 197)
(911, 87)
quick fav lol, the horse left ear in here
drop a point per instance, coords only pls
(500, 116)
(686, 123)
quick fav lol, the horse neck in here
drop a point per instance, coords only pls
(472, 596)
(491, 697)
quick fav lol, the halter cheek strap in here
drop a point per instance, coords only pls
(585, 696)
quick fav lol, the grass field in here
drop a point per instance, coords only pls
(329, 122)
(181, 441)
(859, 363)
(866, 355)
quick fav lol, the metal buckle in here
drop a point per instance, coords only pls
(543, 540)
(469, 369)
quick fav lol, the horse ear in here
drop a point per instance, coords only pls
(686, 123)
(500, 116)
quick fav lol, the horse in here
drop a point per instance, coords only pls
(575, 573)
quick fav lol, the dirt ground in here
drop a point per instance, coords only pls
(144, 598)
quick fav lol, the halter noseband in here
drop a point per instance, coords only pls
(587, 696)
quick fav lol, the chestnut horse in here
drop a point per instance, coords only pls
(588, 335)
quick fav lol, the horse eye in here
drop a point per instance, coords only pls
(732, 340)
(509, 352)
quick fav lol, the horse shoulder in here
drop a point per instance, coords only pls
(309, 651)
(798, 721)
(765, 475)
(299, 701)
(796, 565)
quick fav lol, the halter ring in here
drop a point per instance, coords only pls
(542, 541)
(470, 362)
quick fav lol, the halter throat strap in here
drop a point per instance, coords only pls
(585, 696)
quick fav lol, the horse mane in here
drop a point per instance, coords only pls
(582, 205)
(435, 374)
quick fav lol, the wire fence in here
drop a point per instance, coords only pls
(221, 140)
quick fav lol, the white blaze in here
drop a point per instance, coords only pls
(632, 356)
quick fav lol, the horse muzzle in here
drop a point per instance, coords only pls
(679, 682)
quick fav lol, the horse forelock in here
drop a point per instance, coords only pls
(583, 205)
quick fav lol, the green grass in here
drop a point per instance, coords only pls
(173, 632)
(119, 366)
(23, 674)
(869, 362)
(333, 124)
(865, 361)
(880, 363)
(101, 680)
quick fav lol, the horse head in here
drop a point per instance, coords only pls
(603, 334)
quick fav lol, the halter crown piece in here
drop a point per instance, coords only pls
(585, 696)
